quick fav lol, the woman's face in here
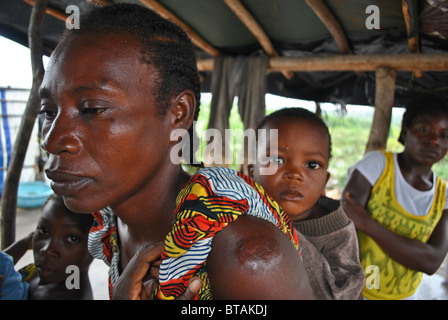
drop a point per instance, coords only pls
(104, 138)
(426, 139)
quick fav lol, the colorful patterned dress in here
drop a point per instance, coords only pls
(213, 198)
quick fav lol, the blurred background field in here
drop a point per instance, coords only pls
(349, 128)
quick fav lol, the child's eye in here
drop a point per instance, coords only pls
(276, 160)
(73, 239)
(41, 230)
(313, 165)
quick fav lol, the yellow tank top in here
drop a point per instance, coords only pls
(395, 281)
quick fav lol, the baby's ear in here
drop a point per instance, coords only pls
(328, 178)
(250, 170)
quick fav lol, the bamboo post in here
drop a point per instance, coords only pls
(9, 197)
(384, 101)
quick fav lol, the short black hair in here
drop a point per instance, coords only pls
(423, 104)
(297, 113)
(164, 45)
(85, 220)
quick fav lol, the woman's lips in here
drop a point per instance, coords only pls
(66, 183)
(291, 195)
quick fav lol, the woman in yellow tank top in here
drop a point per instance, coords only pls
(399, 241)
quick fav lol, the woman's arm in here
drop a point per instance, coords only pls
(252, 259)
(425, 257)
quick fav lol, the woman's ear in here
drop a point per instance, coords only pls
(402, 136)
(183, 110)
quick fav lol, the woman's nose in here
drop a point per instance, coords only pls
(60, 136)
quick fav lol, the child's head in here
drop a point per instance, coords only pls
(304, 150)
(424, 129)
(60, 240)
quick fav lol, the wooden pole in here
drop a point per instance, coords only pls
(343, 62)
(384, 101)
(9, 197)
(333, 26)
(195, 38)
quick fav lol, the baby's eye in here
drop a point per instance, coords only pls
(73, 239)
(276, 160)
(313, 165)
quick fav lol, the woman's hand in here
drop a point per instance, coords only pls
(140, 278)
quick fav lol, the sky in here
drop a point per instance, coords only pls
(15, 65)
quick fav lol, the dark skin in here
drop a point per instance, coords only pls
(425, 143)
(302, 163)
(60, 240)
(92, 104)
(105, 138)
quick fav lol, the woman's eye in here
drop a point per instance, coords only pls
(93, 107)
(93, 111)
(314, 165)
(48, 114)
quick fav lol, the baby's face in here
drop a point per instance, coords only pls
(60, 240)
(302, 160)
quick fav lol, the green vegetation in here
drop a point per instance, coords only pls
(349, 131)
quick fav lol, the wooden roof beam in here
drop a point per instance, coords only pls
(195, 38)
(254, 27)
(399, 62)
(52, 12)
(333, 26)
(412, 41)
(100, 3)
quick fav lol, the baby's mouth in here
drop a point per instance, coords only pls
(291, 195)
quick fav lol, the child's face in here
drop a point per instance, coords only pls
(60, 240)
(101, 128)
(302, 159)
(426, 140)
